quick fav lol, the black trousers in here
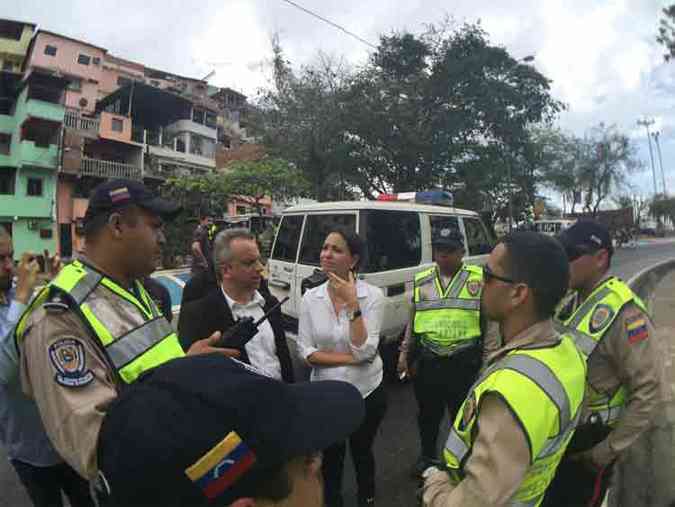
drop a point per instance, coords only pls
(361, 449)
(576, 485)
(442, 383)
(45, 484)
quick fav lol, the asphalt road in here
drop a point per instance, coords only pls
(396, 445)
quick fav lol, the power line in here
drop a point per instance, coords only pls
(341, 28)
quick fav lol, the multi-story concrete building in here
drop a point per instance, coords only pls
(15, 37)
(29, 158)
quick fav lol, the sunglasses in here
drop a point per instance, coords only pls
(488, 275)
(575, 252)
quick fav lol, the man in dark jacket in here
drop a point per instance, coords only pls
(238, 295)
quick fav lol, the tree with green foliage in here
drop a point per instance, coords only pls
(270, 177)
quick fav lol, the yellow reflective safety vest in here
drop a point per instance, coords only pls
(134, 336)
(587, 325)
(544, 389)
(211, 232)
(448, 320)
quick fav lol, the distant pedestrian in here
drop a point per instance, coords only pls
(338, 335)
(202, 240)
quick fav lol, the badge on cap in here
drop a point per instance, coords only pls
(221, 466)
(68, 358)
(119, 194)
(445, 233)
(602, 315)
(474, 287)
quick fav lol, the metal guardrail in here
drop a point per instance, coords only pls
(108, 169)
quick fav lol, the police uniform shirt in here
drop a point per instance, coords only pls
(64, 370)
(629, 353)
(500, 456)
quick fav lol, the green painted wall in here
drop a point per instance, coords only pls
(26, 235)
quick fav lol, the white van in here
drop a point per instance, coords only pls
(398, 243)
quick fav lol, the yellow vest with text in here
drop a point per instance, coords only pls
(544, 389)
(448, 320)
(608, 299)
(134, 337)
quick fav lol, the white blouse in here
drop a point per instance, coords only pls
(320, 329)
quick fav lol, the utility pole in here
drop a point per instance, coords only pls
(658, 151)
(646, 122)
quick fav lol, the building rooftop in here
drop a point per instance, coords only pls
(72, 39)
(9, 20)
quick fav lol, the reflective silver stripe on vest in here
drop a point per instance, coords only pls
(587, 306)
(458, 284)
(585, 343)
(85, 286)
(555, 443)
(453, 303)
(447, 351)
(456, 445)
(428, 290)
(541, 374)
(426, 279)
(130, 346)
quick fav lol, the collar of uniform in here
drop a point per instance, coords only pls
(82, 258)
(541, 333)
(256, 300)
(361, 290)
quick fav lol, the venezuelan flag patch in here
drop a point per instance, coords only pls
(637, 329)
(222, 466)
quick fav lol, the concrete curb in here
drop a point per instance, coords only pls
(645, 282)
(644, 474)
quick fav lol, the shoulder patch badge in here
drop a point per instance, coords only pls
(636, 327)
(474, 287)
(67, 357)
(602, 315)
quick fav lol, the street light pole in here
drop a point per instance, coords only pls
(526, 59)
(658, 151)
(646, 122)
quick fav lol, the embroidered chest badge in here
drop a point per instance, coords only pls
(68, 358)
(474, 287)
(602, 315)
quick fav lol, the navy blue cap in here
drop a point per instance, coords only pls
(587, 234)
(117, 194)
(206, 429)
(447, 238)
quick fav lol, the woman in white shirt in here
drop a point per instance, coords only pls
(339, 334)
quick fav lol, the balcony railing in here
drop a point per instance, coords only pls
(73, 120)
(107, 169)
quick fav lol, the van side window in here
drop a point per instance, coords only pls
(286, 245)
(477, 237)
(393, 239)
(440, 222)
(317, 228)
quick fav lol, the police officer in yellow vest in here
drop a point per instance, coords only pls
(94, 329)
(442, 346)
(612, 329)
(513, 428)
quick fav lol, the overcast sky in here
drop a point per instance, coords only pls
(601, 55)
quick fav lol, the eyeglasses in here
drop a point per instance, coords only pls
(575, 252)
(488, 275)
